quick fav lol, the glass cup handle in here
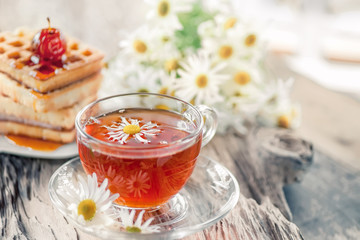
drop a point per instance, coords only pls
(210, 123)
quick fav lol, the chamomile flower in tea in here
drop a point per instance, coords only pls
(121, 131)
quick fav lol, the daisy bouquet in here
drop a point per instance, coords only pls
(203, 53)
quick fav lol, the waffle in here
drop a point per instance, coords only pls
(58, 120)
(15, 52)
(8, 127)
(54, 100)
(42, 101)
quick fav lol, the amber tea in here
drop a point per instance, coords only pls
(142, 161)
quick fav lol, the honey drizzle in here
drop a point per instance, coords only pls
(34, 143)
(45, 69)
(39, 95)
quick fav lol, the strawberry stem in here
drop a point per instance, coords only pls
(48, 19)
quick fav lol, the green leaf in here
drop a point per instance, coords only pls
(188, 37)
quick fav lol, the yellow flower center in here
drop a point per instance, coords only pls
(171, 65)
(133, 229)
(143, 90)
(131, 129)
(250, 40)
(237, 94)
(165, 39)
(225, 51)
(242, 78)
(163, 90)
(230, 23)
(163, 8)
(140, 46)
(87, 208)
(162, 107)
(201, 81)
(283, 121)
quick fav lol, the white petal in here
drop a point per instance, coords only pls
(125, 121)
(139, 138)
(139, 219)
(148, 222)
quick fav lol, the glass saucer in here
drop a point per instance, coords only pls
(211, 192)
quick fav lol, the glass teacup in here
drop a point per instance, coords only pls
(145, 144)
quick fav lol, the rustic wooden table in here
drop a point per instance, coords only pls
(272, 205)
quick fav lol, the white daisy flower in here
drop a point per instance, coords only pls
(282, 115)
(200, 80)
(279, 110)
(218, 26)
(227, 22)
(121, 131)
(163, 13)
(247, 42)
(166, 87)
(251, 41)
(230, 40)
(244, 90)
(225, 49)
(144, 81)
(141, 44)
(169, 58)
(247, 101)
(167, 82)
(242, 77)
(129, 224)
(89, 204)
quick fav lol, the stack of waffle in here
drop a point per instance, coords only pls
(41, 101)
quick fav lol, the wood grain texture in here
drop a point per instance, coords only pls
(284, 159)
(27, 213)
(264, 161)
(249, 221)
(26, 210)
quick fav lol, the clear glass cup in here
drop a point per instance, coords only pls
(148, 174)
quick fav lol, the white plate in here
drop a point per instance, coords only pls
(66, 151)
